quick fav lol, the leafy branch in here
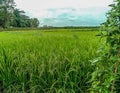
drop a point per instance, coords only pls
(107, 64)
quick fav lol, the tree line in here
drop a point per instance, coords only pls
(10, 16)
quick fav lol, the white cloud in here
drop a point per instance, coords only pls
(46, 4)
(54, 8)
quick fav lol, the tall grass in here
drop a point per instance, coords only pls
(46, 62)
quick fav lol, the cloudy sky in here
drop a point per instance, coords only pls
(66, 12)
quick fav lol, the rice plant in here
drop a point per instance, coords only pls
(46, 62)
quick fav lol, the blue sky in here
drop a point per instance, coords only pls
(66, 12)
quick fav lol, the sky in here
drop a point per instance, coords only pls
(66, 12)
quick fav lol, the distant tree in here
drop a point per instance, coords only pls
(45, 26)
(11, 16)
(17, 18)
(34, 22)
(25, 21)
(21, 20)
(1, 18)
(6, 10)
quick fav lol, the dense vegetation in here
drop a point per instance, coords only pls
(106, 76)
(58, 59)
(10, 16)
(47, 61)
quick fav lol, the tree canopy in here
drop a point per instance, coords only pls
(10, 16)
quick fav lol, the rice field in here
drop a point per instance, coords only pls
(47, 61)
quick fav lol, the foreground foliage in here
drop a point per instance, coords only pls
(50, 62)
(106, 77)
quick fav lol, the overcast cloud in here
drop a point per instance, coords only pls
(66, 12)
